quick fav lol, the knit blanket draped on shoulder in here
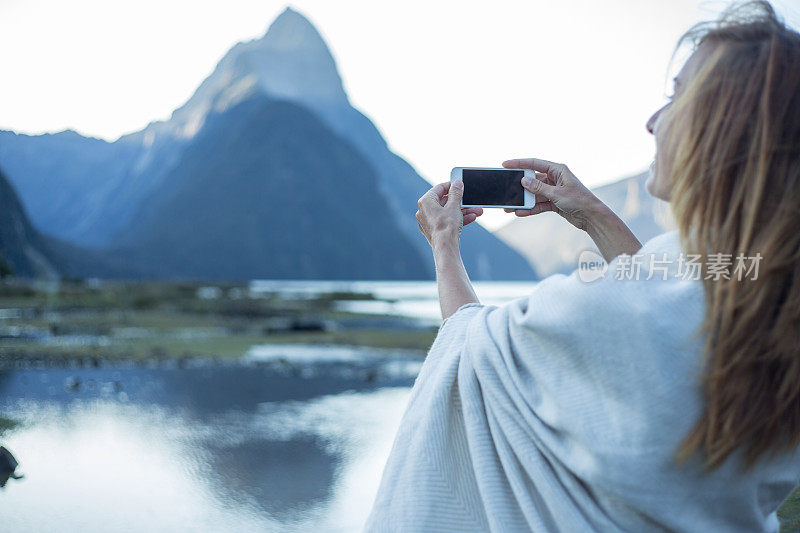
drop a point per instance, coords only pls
(561, 410)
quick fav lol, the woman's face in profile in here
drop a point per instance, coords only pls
(662, 124)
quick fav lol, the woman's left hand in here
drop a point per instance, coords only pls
(441, 217)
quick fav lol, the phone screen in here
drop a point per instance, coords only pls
(493, 187)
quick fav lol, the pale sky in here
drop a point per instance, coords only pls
(455, 83)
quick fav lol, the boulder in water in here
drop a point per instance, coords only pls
(8, 466)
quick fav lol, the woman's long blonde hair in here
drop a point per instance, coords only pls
(736, 190)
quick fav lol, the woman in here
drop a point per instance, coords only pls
(659, 401)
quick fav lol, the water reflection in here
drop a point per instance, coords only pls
(214, 448)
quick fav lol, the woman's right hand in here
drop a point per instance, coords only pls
(557, 189)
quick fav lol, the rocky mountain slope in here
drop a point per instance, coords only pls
(248, 200)
(23, 251)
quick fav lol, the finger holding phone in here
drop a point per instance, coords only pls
(532, 186)
(525, 187)
(558, 190)
(441, 216)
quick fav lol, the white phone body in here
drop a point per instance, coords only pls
(529, 197)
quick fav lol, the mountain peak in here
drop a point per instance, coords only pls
(292, 61)
(290, 37)
(289, 62)
(289, 11)
(291, 28)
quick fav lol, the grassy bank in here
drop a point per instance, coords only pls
(76, 320)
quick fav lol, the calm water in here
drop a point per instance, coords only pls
(413, 299)
(291, 438)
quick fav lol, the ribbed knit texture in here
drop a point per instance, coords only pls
(561, 410)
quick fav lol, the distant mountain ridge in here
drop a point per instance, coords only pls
(106, 190)
(551, 244)
(67, 181)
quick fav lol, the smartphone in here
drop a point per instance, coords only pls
(494, 187)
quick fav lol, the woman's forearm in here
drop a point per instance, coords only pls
(455, 288)
(611, 235)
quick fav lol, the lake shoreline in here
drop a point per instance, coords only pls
(27, 362)
(98, 323)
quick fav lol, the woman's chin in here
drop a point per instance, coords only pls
(651, 178)
(651, 184)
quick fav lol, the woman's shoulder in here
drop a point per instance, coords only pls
(655, 286)
(669, 240)
(660, 259)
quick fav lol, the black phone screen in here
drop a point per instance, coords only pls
(493, 187)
